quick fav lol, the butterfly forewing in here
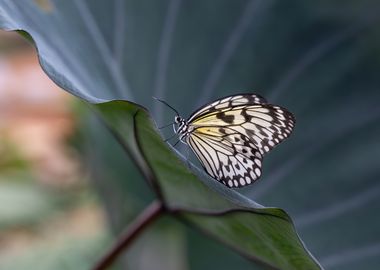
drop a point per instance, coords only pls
(265, 125)
(227, 102)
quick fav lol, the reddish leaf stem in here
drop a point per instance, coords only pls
(150, 214)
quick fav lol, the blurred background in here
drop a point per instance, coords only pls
(66, 187)
(47, 206)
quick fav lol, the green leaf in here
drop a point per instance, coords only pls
(128, 192)
(264, 234)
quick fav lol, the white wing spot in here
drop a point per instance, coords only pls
(242, 182)
(260, 115)
(220, 106)
(260, 109)
(258, 172)
(248, 180)
(258, 162)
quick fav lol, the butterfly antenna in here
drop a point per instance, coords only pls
(164, 102)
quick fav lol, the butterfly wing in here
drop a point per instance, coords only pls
(229, 157)
(230, 136)
(266, 125)
(227, 102)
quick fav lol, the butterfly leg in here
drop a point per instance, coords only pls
(176, 143)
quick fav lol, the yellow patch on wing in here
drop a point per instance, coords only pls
(221, 118)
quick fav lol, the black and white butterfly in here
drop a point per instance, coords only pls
(230, 136)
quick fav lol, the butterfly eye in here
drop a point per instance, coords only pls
(177, 119)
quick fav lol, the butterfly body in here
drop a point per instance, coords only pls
(182, 129)
(230, 136)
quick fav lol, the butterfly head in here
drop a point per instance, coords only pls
(180, 124)
(180, 127)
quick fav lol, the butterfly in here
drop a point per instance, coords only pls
(231, 135)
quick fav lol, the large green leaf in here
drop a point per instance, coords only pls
(264, 234)
(125, 194)
(319, 59)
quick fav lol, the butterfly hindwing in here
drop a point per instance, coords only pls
(227, 156)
